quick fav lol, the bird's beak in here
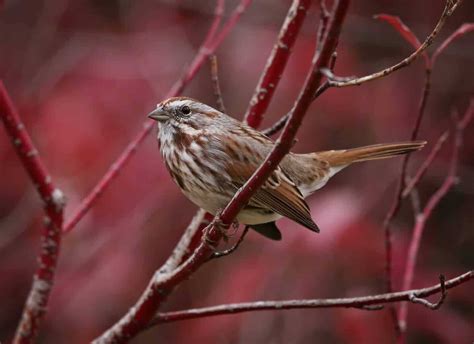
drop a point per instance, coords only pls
(159, 115)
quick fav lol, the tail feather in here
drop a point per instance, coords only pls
(344, 157)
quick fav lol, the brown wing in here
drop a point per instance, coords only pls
(278, 193)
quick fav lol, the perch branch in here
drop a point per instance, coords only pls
(162, 284)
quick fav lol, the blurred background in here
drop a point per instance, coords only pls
(85, 74)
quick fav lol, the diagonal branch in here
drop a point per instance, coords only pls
(211, 43)
(434, 200)
(54, 202)
(162, 284)
(362, 302)
(449, 8)
(276, 63)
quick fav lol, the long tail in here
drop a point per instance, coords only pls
(344, 157)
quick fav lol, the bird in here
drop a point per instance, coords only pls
(210, 155)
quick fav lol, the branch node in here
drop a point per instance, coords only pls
(413, 298)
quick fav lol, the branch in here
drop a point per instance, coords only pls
(362, 302)
(426, 164)
(434, 200)
(449, 8)
(54, 202)
(276, 63)
(410, 37)
(215, 83)
(162, 284)
(284, 143)
(211, 43)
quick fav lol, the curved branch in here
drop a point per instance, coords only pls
(449, 8)
(362, 302)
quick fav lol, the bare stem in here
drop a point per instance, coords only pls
(449, 8)
(276, 63)
(54, 202)
(363, 302)
(434, 200)
(216, 84)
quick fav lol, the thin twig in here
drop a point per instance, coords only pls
(449, 8)
(433, 306)
(323, 23)
(54, 202)
(434, 200)
(216, 84)
(426, 164)
(353, 302)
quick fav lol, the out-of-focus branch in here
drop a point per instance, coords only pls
(276, 63)
(410, 37)
(211, 43)
(54, 202)
(463, 29)
(216, 84)
(434, 200)
(426, 164)
(449, 8)
(182, 248)
(163, 284)
(415, 296)
(284, 143)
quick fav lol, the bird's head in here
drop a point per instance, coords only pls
(179, 113)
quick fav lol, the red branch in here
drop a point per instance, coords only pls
(434, 200)
(276, 63)
(211, 43)
(409, 36)
(463, 29)
(163, 283)
(305, 98)
(361, 302)
(53, 199)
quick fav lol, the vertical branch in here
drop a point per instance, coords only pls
(216, 84)
(422, 217)
(321, 60)
(276, 63)
(53, 200)
(397, 201)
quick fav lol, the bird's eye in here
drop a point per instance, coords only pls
(185, 110)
